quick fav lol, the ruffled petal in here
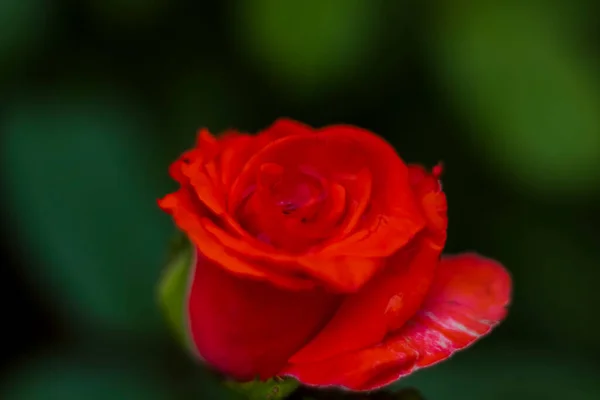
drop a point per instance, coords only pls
(245, 328)
(192, 219)
(469, 296)
(383, 211)
(390, 214)
(250, 259)
(214, 163)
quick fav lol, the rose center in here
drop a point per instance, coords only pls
(295, 193)
(292, 207)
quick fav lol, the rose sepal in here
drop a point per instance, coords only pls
(173, 286)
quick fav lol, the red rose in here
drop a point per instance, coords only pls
(318, 257)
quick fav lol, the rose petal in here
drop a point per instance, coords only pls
(337, 273)
(245, 328)
(247, 256)
(383, 305)
(248, 259)
(213, 165)
(190, 218)
(284, 127)
(468, 298)
(428, 189)
(394, 216)
(237, 150)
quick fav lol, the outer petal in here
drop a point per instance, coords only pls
(468, 298)
(205, 174)
(237, 149)
(428, 188)
(212, 166)
(192, 219)
(254, 260)
(246, 328)
(383, 305)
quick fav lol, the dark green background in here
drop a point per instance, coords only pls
(98, 96)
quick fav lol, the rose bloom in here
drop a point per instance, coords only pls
(318, 257)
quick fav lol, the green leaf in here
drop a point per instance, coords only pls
(273, 389)
(75, 165)
(173, 286)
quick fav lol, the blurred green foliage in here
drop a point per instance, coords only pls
(56, 378)
(23, 25)
(72, 189)
(308, 45)
(173, 287)
(532, 94)
(99, 96)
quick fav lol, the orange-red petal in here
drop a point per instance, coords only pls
(394, 215)
(428, 189)
(236, 149)
(376, 179)
(338, 273)
(246, 328)
(469, 296)
(191, 219)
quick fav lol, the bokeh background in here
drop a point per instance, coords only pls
(99, 96)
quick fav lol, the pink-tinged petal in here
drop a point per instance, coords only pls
(247, 328)
(468, 298)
